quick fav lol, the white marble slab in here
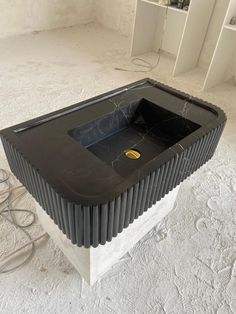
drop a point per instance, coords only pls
(92, 263)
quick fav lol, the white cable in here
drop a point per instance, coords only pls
(7, 214)
(6, 258)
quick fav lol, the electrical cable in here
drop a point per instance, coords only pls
(6, 213)
(149, 67)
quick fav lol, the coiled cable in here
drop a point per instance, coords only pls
(7, 214)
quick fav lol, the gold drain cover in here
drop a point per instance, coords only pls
(132, 154)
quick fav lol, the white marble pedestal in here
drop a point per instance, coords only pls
(92, 263)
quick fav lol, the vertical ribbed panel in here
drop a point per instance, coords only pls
(65, 216)
(71, 216)
(55, 211)
(49, 197)
(79, 225)
(134, 202)
(159, 184)
(104, 221)
(128, 207)
(170, 184)
(116, 216)
(111, 214)
(59, 209)
(122, 211)
(150, 190)
(155, 184)
(95, 222)
(87, 226)
(144, 195)
(165, 173)
(139, 201)
(168, 175)
(94, 225)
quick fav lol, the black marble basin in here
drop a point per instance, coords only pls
(96, 166)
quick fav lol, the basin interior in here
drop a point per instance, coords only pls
(142, 125)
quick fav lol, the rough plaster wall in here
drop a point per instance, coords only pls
(22, 16)
(116, 14)
(188, 263)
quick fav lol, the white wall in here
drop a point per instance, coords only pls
(116, 14)
(22, 16)
(214, 30)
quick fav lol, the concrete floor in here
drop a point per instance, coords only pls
(187, 264)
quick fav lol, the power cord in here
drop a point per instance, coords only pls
(7, 214)
(136, 61)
